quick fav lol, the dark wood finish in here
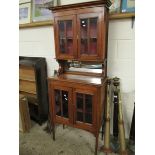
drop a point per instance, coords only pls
(74, 13)
(33, 84)
(83, 15)
(107, 3)
(59, 55)
(85, 85)
(72, 88)
(85, 91)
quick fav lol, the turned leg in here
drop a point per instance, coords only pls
(53, 128)
(96, 146)
(49, 126)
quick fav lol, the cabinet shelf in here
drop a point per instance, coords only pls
(50, 22)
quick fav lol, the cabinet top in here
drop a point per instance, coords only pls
(81, 79)
(107, 3)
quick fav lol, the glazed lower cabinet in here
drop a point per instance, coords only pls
(84, 109)
(77, 104)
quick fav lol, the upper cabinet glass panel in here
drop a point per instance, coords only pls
(81, 34)
(88, 36)
(65, 37)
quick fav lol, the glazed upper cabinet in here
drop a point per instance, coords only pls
(66, 42)
(80, 34)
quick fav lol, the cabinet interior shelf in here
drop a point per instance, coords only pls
(50, 22)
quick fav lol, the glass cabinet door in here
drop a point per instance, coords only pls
(84, 108)
(89, 35)
(65, 37)
(62, 103)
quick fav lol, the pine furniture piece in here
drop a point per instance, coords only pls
(33, 84)
(24, 116)
(77, 95)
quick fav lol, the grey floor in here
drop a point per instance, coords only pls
(69, 141)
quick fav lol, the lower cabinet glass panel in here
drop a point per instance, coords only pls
(88, 118)
(65, 103)
(79, 101)
(61, 103)
(80, 116)
(84, 108)
(57, 103)
(88, 100)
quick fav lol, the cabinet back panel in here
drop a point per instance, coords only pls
(27, 73)
(27, 86)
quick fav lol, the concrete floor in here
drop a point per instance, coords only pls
(69, 141)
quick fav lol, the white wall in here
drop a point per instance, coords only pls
(39, 42)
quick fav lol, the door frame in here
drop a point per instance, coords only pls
(59, 55)
(59, 119)
(82, 125)
(99, 27)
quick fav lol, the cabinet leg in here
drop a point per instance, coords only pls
(96, 146)
(53, 131)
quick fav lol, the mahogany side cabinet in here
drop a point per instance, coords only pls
(77, 101)
(77, 97)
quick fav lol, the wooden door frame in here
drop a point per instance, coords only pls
(99, 27)
(59, 119)
(56, 35)
(81, 125)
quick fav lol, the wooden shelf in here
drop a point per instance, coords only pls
(121, 15)
(50, 22)
(36, 24)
